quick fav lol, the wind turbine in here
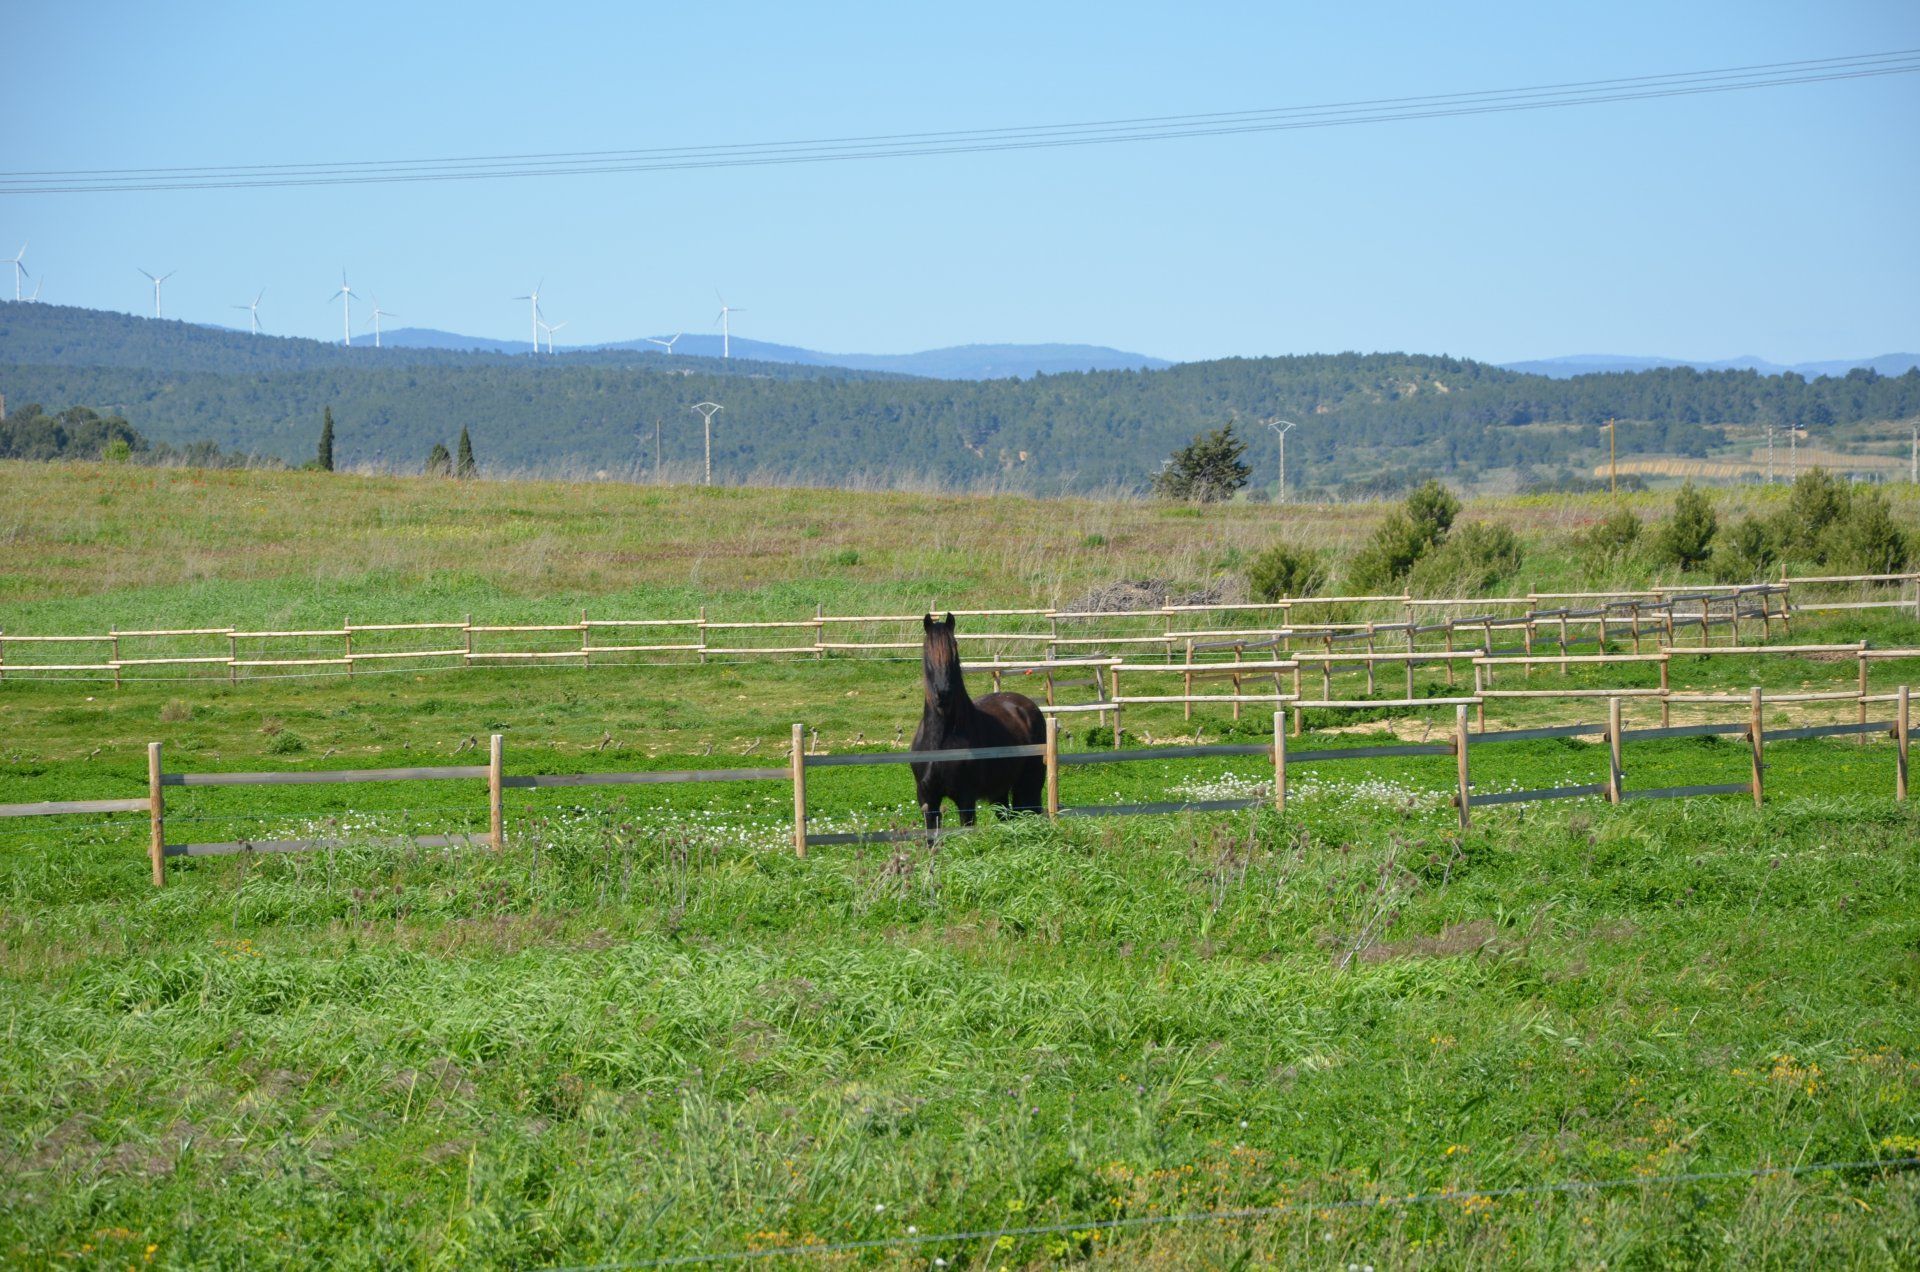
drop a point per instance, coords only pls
(534, 307)
(378, 314)
(347, 296)
(36, 288)
(19, 269)
(666, 344)
(549, 328)
(156, 287)
(725, 309)
(253, 311)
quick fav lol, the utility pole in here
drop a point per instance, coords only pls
(1613, 460)
(707, 411)
(1281, 434)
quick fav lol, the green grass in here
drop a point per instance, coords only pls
(647, 1030)
(623, 1040)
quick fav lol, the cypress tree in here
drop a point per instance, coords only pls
(439, 463)
(463, 464)
(324, 460)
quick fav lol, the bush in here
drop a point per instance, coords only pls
(1283, 571)
(1816, 502)
(1432, 509)
(1686, 538)
(1407, 534)
(1747, 553)
(1616, 535)
(1865, 539)
(1472, 559)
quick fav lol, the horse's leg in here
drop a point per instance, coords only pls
(966, 807)
(931, 811)
(1029, 790)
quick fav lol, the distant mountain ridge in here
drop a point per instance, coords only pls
(1565, 368)
(959, 362)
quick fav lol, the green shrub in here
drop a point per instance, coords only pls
(286, 743)
(1432, 509)
(1817, 501)
(1686, 538)
(1747, 553)
(1407, 534)
(1612, 539)
(1473, 558)
(1283, 571)
(1864, 539)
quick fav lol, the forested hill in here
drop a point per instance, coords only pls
(1358, 415)
(61, 335)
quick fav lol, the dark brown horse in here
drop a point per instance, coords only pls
(952, 721)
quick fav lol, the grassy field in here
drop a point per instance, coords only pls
(646, 1030)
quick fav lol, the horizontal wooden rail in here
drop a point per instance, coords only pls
(326, 776)
(1534, 735)
(1683, 731)
(1025, 751)
(1829, 730)
(655, 778)
(1166, 753)
(61, 807)
(1363, 704)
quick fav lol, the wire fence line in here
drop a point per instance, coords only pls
(1033, 634)
(1385, 1202)
(1047, 754)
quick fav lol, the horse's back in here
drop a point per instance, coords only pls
(1016, 714)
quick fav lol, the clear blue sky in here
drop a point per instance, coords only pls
(1783, 222)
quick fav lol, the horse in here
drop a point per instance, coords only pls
(951, 720)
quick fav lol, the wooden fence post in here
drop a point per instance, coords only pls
(156, 817)
(1666, 687)
(1900, 746)
(1280, 761)
(1863, 689)
(1187, 707)
(114, 633)
(799, 791)
(1754, 735)
(496, 812)
(1115, 672)
(1613, 751)
(1053, 767)
(1465, 797)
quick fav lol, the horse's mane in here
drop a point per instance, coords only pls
(946, 687)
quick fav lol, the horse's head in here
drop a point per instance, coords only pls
(940, 660)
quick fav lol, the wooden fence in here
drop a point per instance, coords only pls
(1277, 753)
(1044, 638)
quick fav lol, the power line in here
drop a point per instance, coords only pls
(969, 141)
(1252, 1212)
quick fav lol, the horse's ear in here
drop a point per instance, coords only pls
(926, 622)
(949, 618)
